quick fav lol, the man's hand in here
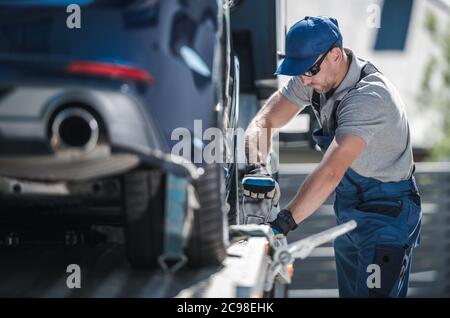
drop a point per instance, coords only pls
(259, 184)
(275, 113)
(277, 234)
(283, 224)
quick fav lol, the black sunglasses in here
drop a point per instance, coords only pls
(313, 70)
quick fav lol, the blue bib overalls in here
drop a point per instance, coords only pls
(374, 260)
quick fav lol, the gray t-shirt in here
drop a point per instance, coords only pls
(374, 111)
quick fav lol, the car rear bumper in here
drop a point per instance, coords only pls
(50, 168)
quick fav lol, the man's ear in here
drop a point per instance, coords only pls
(336, 54)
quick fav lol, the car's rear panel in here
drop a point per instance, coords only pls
(127, 75)
(165, 39)
(152, 50)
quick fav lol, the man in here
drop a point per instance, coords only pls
(367, 159)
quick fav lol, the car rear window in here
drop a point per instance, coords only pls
(110, 30)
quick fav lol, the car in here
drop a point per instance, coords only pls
(91, 93)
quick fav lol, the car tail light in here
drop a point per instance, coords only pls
(109, 70)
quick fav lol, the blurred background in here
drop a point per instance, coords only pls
(409, 41)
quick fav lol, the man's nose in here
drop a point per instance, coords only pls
(305, 80)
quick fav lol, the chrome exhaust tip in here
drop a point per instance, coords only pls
(75, 129)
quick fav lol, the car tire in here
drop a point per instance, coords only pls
(209, 235)
(144, 217)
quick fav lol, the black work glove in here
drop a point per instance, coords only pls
(284, 223)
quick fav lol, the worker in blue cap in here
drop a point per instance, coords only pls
(367, 162)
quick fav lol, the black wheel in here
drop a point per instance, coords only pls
(144, 217)
(209, 234)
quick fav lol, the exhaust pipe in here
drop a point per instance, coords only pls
(75, 128)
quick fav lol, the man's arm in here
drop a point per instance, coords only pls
(324, 179)
(276, 113)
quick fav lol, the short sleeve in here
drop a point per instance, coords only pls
(296, 92)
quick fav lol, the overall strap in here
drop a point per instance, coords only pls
(315, 104)
(367, 70)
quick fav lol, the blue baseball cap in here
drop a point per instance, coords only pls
(306, 41)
